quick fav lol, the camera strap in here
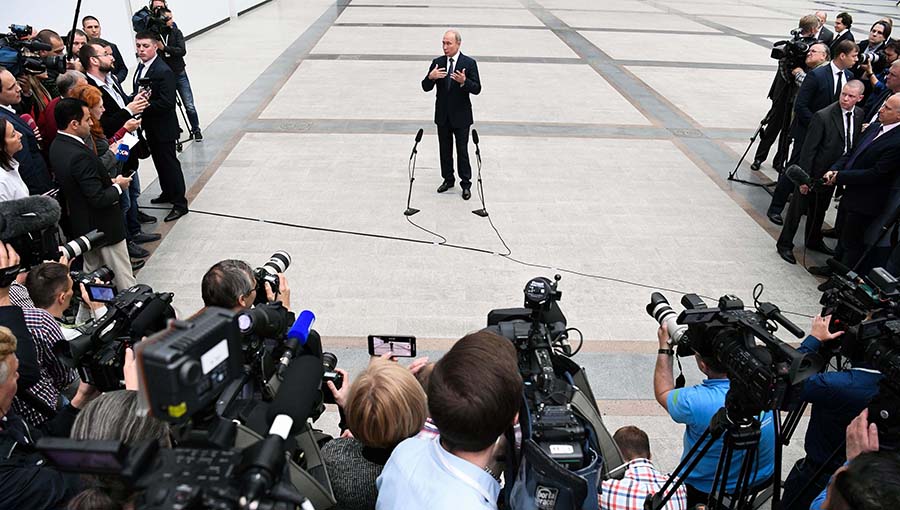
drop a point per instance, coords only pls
(457, 473)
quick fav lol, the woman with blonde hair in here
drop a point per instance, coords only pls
(384, 406)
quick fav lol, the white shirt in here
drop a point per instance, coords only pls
(109, 86)
(12, 186)
(7, 107)
(455, 62)
(147, 65)
(885, 128)
(842, 32)
(834, 72)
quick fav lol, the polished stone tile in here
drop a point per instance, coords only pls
(627, 20)
(679, 48)
(440, 15)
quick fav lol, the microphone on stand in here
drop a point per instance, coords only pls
(483, 211)
(412, 173)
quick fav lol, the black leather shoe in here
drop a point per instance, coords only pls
(775, 218)
(821, 248)
(174, 214)
(143, 237)
(444, 186)
(756, 164)
(136, 252)
(145, 218)
(137, 264)
(787, 255)
(162, 199)
(830, 233)
(823, 271)
(198, 136)
(466, 194)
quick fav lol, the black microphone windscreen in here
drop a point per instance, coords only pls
(419, 135)
(838, 267)
(475, 136)
(313, 344)
(299, 392)
(796, 175)
(29, 214)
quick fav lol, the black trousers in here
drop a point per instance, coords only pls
(171, 178)
(446, 134)
(779, 120)
(794, 496)
(814, 205)
(853, 243)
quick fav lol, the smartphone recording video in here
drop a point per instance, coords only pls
(399, 346)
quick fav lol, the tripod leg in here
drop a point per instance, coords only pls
(684, 468)
(720, 481)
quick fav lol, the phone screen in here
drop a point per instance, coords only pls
(100, 293)
(399, 346)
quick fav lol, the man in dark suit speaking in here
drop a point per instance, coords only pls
(455, 76)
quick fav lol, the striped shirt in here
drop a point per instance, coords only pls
(640, 481)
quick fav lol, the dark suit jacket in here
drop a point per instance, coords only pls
(114, 116)
(120, 70)
(160, 123)
(868, 182)
(826, 36)
(846, 36)
(873, 104)
(816, 92)
(452, 105)
(824, 143)
(32, 166)
(92, 201)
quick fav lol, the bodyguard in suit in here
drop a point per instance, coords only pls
(821, 87)
(831, 135)
(455, 76)
(824, 34)
(32, 166)
(161, 124)
(92, 195)
(842, 24)
(867, 172)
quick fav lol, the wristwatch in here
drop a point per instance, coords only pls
(667, 352)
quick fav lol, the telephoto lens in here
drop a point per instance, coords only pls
(82, 244)
(278, 262)
(659, 309)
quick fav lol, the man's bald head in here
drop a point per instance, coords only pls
(890, 111)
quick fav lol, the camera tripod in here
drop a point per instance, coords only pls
(741, 433)
(179, 144)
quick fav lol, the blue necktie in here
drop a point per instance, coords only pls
(864, 144)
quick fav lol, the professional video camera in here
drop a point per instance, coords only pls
(268, 273)
(152, 20)
(99, 353)
(565, 446)
(879, 340)
(791, 53)
(18, 54)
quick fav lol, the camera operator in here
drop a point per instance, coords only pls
(58, 49)
(821, 87)
(842, 24)
(474, 396)
(161, 124)
(782, 94)
(172, 50)
(695, 406)
(32, 166)
(91, 26)
(384, 406)
(871, 478)
(27, 481)
(91, 194)
(230, 284)
(836, 398)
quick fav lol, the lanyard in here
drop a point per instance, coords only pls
(459, 475)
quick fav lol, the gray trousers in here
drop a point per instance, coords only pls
(116, 258)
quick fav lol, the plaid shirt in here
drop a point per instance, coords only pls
(641, 480)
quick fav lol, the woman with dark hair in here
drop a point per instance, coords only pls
(11, 184)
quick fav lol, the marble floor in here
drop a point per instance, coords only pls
(607, 132)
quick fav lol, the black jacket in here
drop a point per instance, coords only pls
(114, 116)
(93, 202)
(29, 367)
(174, 50)
(869, 180)
(824, 141)
(160, 122)
(120, 69)
(826, 35)
(816, 92)
(32, 166)
(452, 105)
(846, 36)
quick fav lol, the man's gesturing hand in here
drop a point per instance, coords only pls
(437, 73)
(459, 76)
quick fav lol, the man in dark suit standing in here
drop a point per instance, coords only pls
(842, 24)
(91, 26)
(867, 172)
(821, 87)
(824, 34)
(92, 196)
(455, 76)
(831, 134)
(160, 123)
(32, 166)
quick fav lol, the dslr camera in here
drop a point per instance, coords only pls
(268, 273)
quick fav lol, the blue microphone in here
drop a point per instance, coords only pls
(122, 152)
(297, 337)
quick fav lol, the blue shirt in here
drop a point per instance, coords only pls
(422, 474)
(695, 406)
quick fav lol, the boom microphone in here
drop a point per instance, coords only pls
(297, 397)
(799, 177)
(29, 214)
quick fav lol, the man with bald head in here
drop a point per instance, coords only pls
(823, 34)
(455, 77)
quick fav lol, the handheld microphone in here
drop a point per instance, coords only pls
(122, 152)
(29, 214)
(297, 337)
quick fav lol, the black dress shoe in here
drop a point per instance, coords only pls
(821, 248)
(143, 237)
(823, 271)
(830, 233)
(145, 218)
(775, 218)
(787, 255)
(466, 194)
(137, 264)
(174, 214)
(444, 186)
(198, 136)
(162, 199)
(756, 164)
(136, 252)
